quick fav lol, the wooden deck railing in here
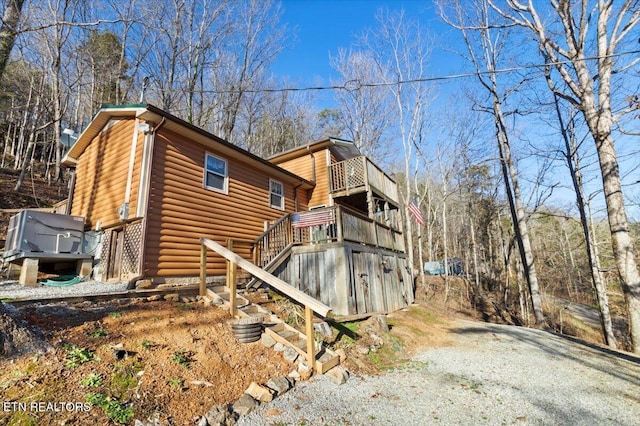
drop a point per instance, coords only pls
(273, 241)
(319, 226)
(358, 172)
(356, 227)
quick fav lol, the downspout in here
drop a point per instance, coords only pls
(142, 209)
(313, 164)
(295, 196)
(132, 161)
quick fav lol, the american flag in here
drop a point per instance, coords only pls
(312, 218)
(415, 212)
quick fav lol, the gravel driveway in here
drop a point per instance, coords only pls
(493, 375)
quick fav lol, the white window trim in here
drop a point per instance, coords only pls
(224, 190)
(281, 206)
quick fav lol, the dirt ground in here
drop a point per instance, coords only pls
(178, 360)
(181, 359)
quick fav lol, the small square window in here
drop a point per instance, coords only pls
(215, 173)
(276, 196)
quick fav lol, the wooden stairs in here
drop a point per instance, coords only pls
(270, 267)
(280, 331)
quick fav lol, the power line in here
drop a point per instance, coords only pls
(353, 85)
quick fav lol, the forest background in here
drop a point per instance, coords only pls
(523, 163)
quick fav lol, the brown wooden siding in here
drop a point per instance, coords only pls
(181, 210)
(303, 167)
(101, 175)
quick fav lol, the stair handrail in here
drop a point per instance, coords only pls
(280, 285)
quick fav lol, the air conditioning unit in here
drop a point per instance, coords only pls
(34, 233)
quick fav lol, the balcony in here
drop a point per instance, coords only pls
(327, 225)
(359, 175)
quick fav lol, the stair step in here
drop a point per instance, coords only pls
(287, 334)
(278, 329)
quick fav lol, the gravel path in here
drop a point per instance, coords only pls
(492, 375)
(13, 290)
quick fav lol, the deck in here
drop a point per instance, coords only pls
(359, 174)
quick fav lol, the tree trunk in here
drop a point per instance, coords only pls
(8, 33)
(623, 247)
(517, 211)
(592, 256)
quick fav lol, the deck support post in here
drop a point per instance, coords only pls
(203, 271)
(308, 322)
(231, 281)
(339, 232)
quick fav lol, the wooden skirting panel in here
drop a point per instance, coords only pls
(350, 278)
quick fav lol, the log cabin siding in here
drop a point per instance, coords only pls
(182, 210)
(102, 172)
(303, 167)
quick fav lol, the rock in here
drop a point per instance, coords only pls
(245, 405)
(220, 415)
(377, 340)
(278, 347)
(294, 376)
(172, 297)
(338, 375)
(323, 328)
(259, 393)
(279, 385)
(267, 340)
(304, 370)
(364, 350)
(342, 354)
(376, 325)
(290, 354)
(154, 298)
(144, 284)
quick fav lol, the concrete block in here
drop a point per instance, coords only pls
(84, 267)
(29, 272)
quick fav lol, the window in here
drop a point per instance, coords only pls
(215, 173)
(276, 197)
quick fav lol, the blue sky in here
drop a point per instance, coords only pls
(321, 27)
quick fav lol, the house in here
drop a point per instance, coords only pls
(149, 185)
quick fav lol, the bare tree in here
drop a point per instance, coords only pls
(9, 30)
(485, 41)
(257, 40)
(580, 40)
(366, 110)
(400, 49)
(572, 159)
